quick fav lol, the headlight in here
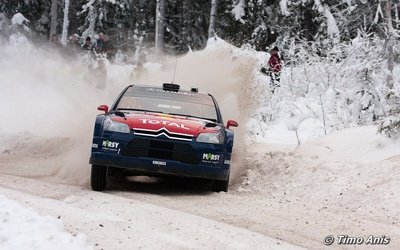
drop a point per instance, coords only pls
(110, 125)
(216, 138)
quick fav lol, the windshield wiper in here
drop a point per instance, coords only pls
(140, 110)
(118, 113)
(198, 117)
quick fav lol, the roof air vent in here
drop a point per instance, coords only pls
(171, 87)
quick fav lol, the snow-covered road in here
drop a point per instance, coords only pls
(286, 198)
(119, 220)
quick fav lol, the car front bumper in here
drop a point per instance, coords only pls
(154, 167)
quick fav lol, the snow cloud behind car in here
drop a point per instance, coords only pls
(47, 99)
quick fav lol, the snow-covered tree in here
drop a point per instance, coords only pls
(64, 33)
(53, 17)
(213, 18)
(390, 124)
(160, 23)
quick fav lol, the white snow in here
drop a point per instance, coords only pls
(283, 131)
(379, 13)
(216, 42)
(354, 144)
(285, 191)
(23, 228)
(346, 181)
(284, 8)
(238, 10)
(91, 17)
(333, 29)
(18, 19)
(3, 22)
(64, 34)
(20, 44)
(319, 6)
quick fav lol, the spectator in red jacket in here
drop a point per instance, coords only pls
(275, 66)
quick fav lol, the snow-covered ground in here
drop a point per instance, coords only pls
(23, 228)
(283, 196)
(345, 183)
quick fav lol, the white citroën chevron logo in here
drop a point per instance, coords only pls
(170, 135)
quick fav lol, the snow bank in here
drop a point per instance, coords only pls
(22, 228)
(283, 132)
(361, 144)
(354, 155)
(346, 182)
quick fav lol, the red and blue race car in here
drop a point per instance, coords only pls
(162, 131)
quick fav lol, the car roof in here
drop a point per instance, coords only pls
(154, 91)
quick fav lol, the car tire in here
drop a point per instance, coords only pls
(220, 186)
(98, 177)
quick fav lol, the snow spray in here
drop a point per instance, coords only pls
(46, 99)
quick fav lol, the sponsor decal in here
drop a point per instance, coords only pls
(165, 123)
(95, 145)
(173, 92)
(110, 145)
(159, 163)
(228, 162)
(210, 157)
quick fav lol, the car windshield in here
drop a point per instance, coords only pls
(167, 106)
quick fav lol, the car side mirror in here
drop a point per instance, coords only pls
(103, 108)
(232, 123)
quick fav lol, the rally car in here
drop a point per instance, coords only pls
(162, 131)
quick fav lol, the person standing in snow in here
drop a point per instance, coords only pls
(88, 56)
(88, 44)
(275, 66)
(73, 48)
(103, 44)
(55, 42)
(74, 43)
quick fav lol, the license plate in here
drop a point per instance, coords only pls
(159, 163)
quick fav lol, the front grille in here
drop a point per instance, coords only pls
(164, 132)
(167, 150)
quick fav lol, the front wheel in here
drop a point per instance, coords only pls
(220, 186)
(98, 177)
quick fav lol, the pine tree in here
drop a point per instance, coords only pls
(390, 125)
(53, 17)
(160, 23)
(64, 33)
(213, 18)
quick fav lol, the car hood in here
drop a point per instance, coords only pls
(172, 125)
